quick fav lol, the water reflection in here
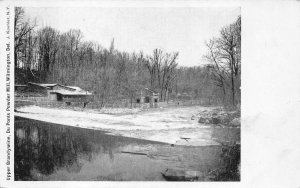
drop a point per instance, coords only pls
(42, 148)
(46, 151)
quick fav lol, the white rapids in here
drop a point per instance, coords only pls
(170, 125)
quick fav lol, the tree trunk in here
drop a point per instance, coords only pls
(224, 93)
(232, 87)
(16, 59)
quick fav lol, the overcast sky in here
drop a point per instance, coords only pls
(134, 29)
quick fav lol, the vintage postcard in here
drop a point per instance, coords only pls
(112, 93)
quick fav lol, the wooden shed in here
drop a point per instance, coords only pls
(55, 92)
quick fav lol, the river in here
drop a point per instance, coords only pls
(48, 151)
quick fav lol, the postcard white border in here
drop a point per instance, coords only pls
(270, 92)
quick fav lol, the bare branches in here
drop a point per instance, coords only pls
(224, 53)
(161, 67)
(48, 44)
(23, 30)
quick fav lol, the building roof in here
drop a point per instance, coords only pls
(66, 92)
(74, 89)
(152, 91)
(48, 85)
(42, 85)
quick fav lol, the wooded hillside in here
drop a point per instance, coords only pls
(47, 55)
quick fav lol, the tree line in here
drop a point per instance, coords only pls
(47, 55)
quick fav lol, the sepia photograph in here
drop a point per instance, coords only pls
(127, 93)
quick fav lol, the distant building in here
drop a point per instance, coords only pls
(69, 94)
(184, 96)
(148, 96)
(54, 92)
(20, 88)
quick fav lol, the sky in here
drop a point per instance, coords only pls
(182, 30)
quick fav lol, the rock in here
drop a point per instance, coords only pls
(181, 175)
(202, 120)
(210, 120)
(192, 175)
(225, 120)
(215, 120)
(222, 113)
(234, 114)
(218, 117)
(236, 122)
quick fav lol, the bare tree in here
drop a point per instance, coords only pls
(23, 30)
(168, 73)
(151, 64)
(229, 49)
(224, 54)
(217, 66)
(161, 68)
(48, 46)
(114, 76)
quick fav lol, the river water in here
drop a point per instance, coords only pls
(47, 151)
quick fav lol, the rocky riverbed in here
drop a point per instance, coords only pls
(219, 116)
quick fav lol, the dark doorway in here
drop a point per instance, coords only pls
(147, 99)
(59, 97)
